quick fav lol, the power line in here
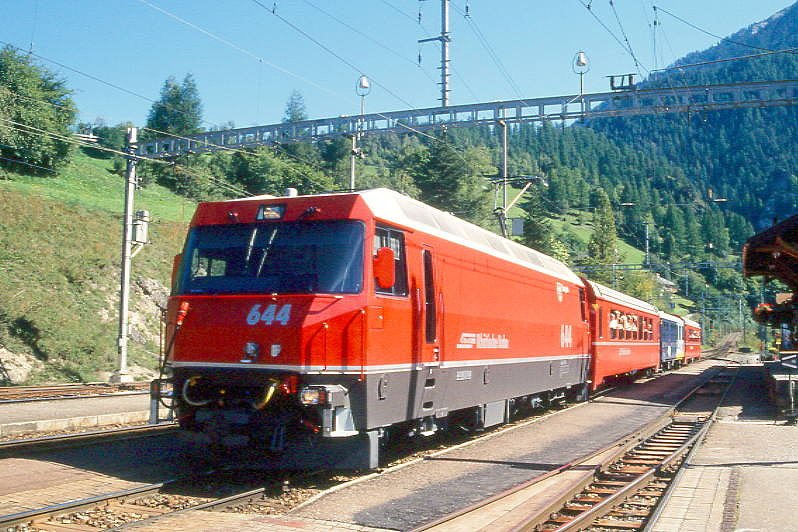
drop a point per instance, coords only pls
(75, 70)
(491, 52)
(638, 65)
(19, 161)
(235, 46)
(25, 128)
(60, 137)
(729, 59)
(368, 37)
(330, 51)
(707, 32)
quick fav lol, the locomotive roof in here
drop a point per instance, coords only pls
(400, 209)
(610, 294)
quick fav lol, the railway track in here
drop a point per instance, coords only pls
(144, 505)
(625, 485)
(64, 391)
(258, 494)
(66, 441)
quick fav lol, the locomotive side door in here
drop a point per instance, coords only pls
(430, 303)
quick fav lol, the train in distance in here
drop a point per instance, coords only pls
(312, 328)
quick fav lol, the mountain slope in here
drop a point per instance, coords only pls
(748, 156)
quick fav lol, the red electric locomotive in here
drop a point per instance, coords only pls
(314, 324)
(625, 335)
(692, 341)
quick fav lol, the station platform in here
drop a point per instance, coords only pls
(745, 474)
(29, 417)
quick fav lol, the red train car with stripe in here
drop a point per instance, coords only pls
(315, 325)
(625, 335)
(692, 341)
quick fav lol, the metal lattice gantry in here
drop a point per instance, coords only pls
(555, 108)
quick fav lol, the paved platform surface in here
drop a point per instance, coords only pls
(420, 494)
(68, 414)
(745, 474)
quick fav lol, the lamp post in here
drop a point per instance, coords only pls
(362, 89)
(581, 66)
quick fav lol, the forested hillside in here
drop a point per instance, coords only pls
(748, 156)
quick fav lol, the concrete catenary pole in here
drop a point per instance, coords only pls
(121, 374)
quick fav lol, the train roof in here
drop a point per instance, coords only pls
(610, 294)
(671, 317)
(691, 323)
(394, 207)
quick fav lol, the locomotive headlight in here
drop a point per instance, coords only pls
(313, 396)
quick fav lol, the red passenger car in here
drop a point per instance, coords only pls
(625, 335)
(298, 322)
(692, 341)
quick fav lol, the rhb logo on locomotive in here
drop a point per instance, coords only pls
(483, 341)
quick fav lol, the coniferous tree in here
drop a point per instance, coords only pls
(602, 249)
(295, 108)
(179, 109)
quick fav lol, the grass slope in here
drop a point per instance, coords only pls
(60, 248)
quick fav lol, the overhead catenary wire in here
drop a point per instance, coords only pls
(370, 38)
(707, 32)
(234, 46)
(454, 69)
(22, 162)
(638, 65)
(296, 28)
(728, 60)
(589, 7)
(491, 52)
(330, 51)
(25, 128)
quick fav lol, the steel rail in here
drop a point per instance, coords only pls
(224, 502)
(607, 504)
(16, 394)
(679, 474)
(81, 439)
(7, 521)
(622, 445)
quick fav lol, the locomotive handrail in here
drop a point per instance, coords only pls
(362, 344)
(325, 327)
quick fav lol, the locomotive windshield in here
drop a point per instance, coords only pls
(284, 257)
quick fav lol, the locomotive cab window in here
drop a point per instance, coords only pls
(395, 240)
(278, 257)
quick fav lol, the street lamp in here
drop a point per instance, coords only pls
(581, 66)
(362, 89)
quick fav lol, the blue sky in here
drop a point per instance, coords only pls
(246, 61)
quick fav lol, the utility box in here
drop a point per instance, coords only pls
(517, 228)
(141, 224)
